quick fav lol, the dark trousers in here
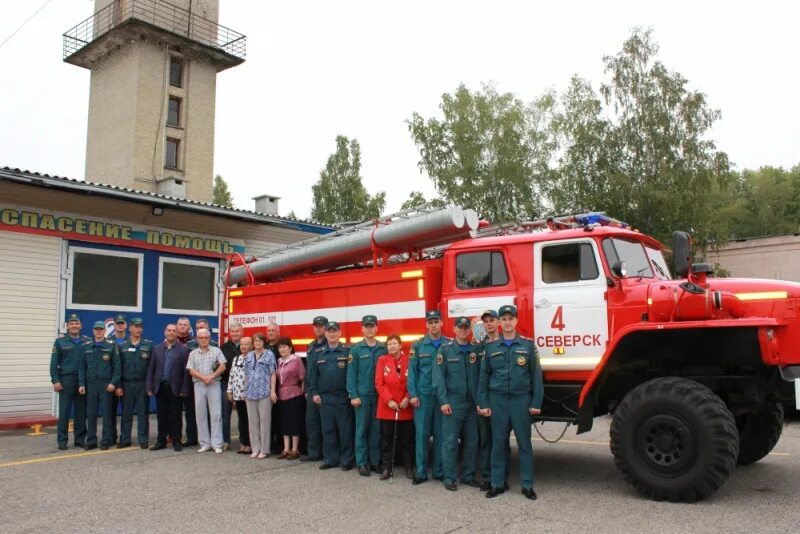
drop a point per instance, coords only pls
(313, 430)
(227, 407)
(244, 426)
(99, 402)
(275, 437)
(510, 412)
(168, 415)
(484, 465)
(405, 442)
(136, 401)
(191, 419)
(66, 398)
(338, 431)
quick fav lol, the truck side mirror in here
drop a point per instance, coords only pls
(619, 269)
(681, 253)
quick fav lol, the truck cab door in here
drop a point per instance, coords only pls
(569, 305)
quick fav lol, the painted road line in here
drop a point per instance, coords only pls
(64, 457)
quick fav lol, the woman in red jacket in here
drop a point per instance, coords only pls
(394, 410)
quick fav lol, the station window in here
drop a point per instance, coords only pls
(480, 269)
(111, 280)
(187, 287)
(171, 153)
(174, 111)
(175, 72)
(570, 262)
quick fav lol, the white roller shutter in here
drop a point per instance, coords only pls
(29, 285)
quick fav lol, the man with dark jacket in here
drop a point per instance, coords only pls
(185, 338)
(169, 382)
(231, 350)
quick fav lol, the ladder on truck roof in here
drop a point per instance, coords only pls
(585, 220)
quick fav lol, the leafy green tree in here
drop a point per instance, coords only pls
(484, 152)
(664, 166)
(763, 202)
(221, 196)
(417, 200)
(339, 194)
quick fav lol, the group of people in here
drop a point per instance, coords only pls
(357, 405)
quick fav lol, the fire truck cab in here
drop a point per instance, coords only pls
(693, 369)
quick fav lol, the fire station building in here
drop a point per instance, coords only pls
(98, 250)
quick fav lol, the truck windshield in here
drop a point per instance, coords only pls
(659, 263)
(632, 253)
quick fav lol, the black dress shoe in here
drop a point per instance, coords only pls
(363, 470)
(310, 459)
(91, 446)
(325, 466)
(123, 445)
(418, 480)
(189, 444)
(143, 446)
(177, 447)
(438, 478)
(410, 473)
(348, 467)
(104, 447)
(62, 446)
(472, 483)
(385, 474)
(450, 486)
(494, 492)
(80, 445)
(529, 493)
(375, 468)
(158, 446)
(486, 485)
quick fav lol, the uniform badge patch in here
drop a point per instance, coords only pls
(350, 358)
(106, 356)
(439, 359)
(473, 357)
(145, 355)
(411, 354)
(341, 365)
(386, 370)
(522, 360)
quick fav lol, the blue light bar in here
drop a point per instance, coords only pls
(600, 219)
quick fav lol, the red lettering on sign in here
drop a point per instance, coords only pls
(558, 320)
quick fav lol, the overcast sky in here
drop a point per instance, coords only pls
(318, 69)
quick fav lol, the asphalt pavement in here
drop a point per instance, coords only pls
(43, 489)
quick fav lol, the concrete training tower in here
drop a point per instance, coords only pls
(154, 66)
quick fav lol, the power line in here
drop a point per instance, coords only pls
(7, 39)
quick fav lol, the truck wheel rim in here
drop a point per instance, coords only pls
(665, 444)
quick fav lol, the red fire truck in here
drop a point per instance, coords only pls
(694, 369)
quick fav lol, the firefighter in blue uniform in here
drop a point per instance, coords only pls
(427, 417)
(65, 364)
(313, 423)
(118, 336)
(135, 354)
(511, 391)
(454, 377)
(328, 390)
(361, 388)
(100, 374)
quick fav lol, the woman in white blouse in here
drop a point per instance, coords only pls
(236, 394)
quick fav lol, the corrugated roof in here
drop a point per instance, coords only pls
(156, 199)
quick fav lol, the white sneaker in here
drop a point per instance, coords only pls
(204, 448)
(218, 450)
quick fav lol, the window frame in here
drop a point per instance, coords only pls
(177, 124)
(487, 251)
(104, 252)
(580, 281)
(177, 153)
(180, 62)
(159, 303)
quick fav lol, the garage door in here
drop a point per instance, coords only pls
(29, 284)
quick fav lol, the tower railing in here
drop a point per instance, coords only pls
(160, 14)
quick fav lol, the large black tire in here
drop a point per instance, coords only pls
(759, 432)
(674, 439)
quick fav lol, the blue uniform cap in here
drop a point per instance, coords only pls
(433, 314)
(73, 317)
(332, 325)
(369, 320)
(463, 321)
(508, 308)
(490, 313)
(120, 318)
(99, 324)
(137, 321)
(320, 320)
